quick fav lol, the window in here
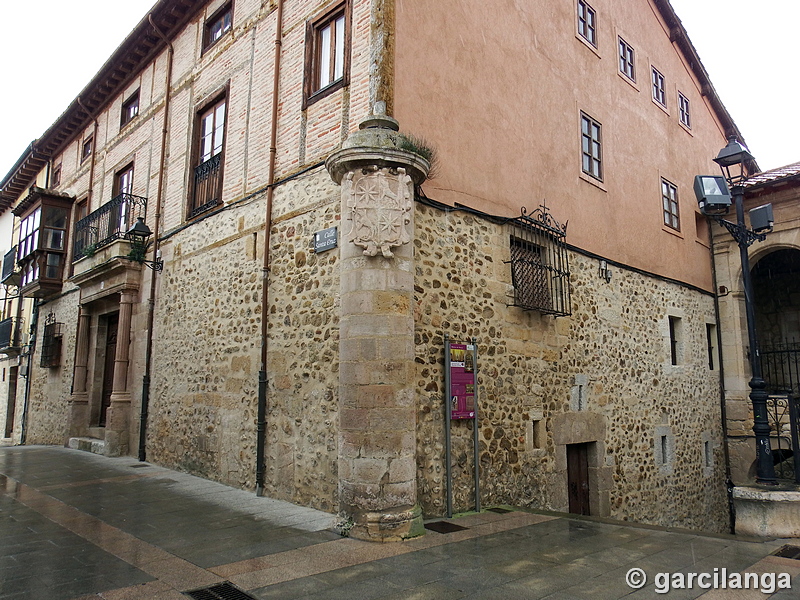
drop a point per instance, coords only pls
(669, 199)
(539, 264)
(626, 65)
(217, 25)
(711, 339)
(683, 108)
(207, 188)
(591, 147)
(327, 53)
(51, 342)
(675, 340)
(123, 187)
(659, 94)
(86, 149)
(55, 177)
(130, 108)
(43, 228)
(586, 23)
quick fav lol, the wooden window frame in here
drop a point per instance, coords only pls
(627, 59)
(659, 87)
(669, 205)
(587, 22)
(87, 147)
(192, 208)
(591, 147)
(684, 111)
(218, 16)
(130, 109)
(55, 176)
(312, 91)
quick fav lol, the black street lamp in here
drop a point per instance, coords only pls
(138, 236)
(715, 200)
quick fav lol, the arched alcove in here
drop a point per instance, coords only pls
(776, 290)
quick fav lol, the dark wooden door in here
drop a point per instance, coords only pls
(108, 370)
(578, 478)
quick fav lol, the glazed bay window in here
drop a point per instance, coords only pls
(207, 189)
(327, 62)
(41, 252)
(591, 147)
(586, 23)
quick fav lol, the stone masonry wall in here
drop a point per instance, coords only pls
(605, 369)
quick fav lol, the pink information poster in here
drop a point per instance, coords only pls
(462, 381)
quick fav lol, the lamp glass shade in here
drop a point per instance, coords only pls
(139, 232)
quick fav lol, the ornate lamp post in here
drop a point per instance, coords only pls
(714, 199)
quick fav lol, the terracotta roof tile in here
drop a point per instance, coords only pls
(774, 175)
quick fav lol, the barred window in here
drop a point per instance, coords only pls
(539, 264)
(51, 342)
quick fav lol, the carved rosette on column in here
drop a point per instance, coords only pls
(377, 401)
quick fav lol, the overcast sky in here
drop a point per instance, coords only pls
(50, 50)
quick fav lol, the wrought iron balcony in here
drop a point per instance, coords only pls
(108, 223)
(10, 336)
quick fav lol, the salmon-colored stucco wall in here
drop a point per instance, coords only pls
(498, 89)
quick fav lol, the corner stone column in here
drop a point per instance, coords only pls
(377, 399)
(79, 400)
(118, 416)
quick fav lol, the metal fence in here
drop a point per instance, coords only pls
(108, 223)
(780, 368)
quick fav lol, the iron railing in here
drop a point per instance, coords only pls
(9, 265)
(780, 367)
(108, 223)
(540, 264)
(207, 192)
(10, 330)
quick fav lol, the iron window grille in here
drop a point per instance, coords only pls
(540, 263)
(51, 342)
(626, 60)
(206, 191)
(659, 91)
(586, 23)
(683, 109)
(669, 199)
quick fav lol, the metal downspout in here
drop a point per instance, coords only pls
(723, 406)
(148, 356)
(262, 373)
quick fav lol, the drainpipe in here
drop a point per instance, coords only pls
(151, 303)
(94, 151)
(262, 373)
(723, 406)
(31, 346)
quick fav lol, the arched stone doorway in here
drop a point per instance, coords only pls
(776, 287)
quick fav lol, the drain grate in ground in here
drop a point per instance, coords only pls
(788, 552)
(220, 591)
(444, 527)
(499, 511)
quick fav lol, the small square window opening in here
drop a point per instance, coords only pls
(217, 25)
(130, 108)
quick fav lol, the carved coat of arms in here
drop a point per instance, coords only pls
(379, 204)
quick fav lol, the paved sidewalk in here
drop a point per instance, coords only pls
(76, 525)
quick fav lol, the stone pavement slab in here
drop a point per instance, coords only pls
(74, 525)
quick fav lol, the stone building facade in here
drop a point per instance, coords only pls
(317, 374)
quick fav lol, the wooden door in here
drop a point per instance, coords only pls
(12, 401)
(108, 370)
(578, 478)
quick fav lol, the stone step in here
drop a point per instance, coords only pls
(87, 444)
